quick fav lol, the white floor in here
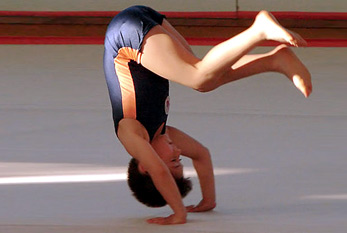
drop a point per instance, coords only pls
(280, 159)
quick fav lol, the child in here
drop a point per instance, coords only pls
(142, 53)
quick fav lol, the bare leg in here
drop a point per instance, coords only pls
(287, 63)
(281, 60)
(168, 57)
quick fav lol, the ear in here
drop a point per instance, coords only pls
(142, 170)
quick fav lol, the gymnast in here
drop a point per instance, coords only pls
(143, 52)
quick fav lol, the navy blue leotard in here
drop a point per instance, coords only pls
(135, 91)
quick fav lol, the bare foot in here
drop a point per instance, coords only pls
(271, 29)
(286, 62)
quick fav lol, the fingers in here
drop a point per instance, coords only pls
(189, 208)
(201, 208)
(160, 221)
(172, 219)
(198, 209)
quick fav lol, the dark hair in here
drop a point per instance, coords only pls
(144, 190)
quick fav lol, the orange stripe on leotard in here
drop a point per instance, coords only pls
(125, 79)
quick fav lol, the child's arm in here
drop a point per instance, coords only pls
(203, 165)
(134, 138)
(204, 168)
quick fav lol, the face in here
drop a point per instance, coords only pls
(169, 153)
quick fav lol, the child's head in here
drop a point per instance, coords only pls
(141, 183)
(144, 190)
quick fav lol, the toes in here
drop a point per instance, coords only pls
(296, 39)
(293, 43)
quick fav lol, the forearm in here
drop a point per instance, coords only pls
(201, 160)
(204, 169)
(167, 187)
(160, 175)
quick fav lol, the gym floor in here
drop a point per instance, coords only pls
(279, 158)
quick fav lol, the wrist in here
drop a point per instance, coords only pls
(181, 214)
(211, 203)
(209, 200)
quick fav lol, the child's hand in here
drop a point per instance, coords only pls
(172, 219)
(202, 206)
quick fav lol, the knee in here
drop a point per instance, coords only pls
(205, 86)
(206, 82)
(203, 89)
